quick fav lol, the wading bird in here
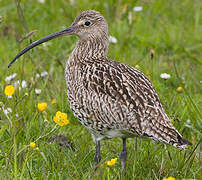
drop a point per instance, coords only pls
(109, 98)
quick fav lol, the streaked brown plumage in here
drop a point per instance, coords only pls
(109, 98)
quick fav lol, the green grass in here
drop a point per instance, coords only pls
(171, 28)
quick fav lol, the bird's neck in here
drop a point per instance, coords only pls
(88, 49)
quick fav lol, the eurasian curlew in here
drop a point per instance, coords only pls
(109, 98)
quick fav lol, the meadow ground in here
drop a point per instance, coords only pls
(169, 30)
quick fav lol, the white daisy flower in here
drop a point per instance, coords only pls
(16, 84)
(37, 76)
(41, 1)
(165, 76)
(137, 8)
(71, 2)
(112, 39)
(24, 84)
(44, 74)
(7, 111)
(9, 78)
(38, 91)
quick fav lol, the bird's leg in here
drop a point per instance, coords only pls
(97, 157)
(123, 155)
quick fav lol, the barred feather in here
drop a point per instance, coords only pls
(109, 98)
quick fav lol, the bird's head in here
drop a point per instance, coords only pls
(88, 24)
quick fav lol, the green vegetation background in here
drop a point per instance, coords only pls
(170, 29)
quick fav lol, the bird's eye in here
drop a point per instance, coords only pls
(87, 23)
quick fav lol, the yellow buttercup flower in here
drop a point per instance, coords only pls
(111, 162)
(179, 89)
(169, 178)
(32, 144)
(9, 90)
(53, 101)
(42, 106)
(61, 118)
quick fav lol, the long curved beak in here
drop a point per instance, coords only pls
(66, 31)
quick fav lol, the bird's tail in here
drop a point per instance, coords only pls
(166, 132)
(181, 143)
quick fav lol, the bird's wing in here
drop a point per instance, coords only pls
(133, 100)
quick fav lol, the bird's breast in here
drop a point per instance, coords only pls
(91, 108)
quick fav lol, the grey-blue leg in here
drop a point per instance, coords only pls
(97, 157)
(123, 155)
